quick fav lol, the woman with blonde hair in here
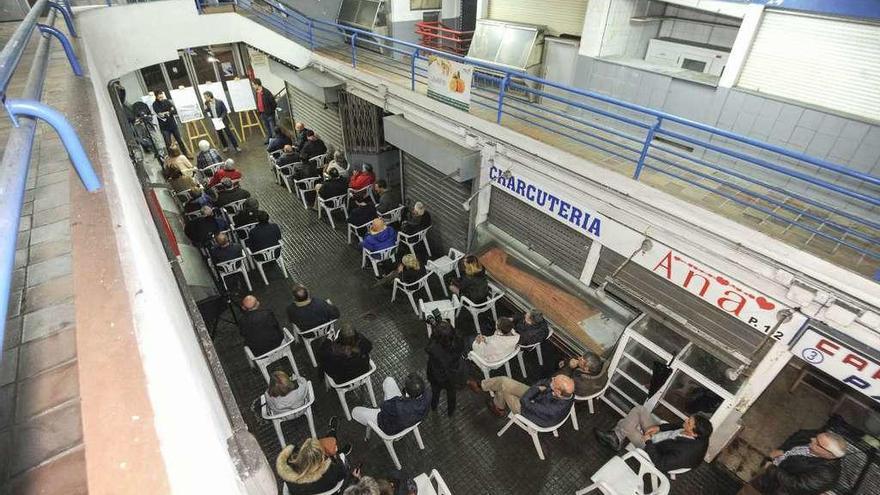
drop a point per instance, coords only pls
(410, 269)
(473, 284)
(316, 468)
(286, 393)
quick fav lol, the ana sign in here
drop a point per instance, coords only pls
(450, 82)
(834, 358)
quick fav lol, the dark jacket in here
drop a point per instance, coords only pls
(475, 288)
(260, 330)
(311, 149)
(320, 481)
(202, 229)
(278, 141)
(678, 453)
(412, 224)
(444, 365)
(531, 334)
(799, 475)
(166, 121)
(541, 407)
(206, 158)
(333, 188)
(586, 384)
(409, 276)
(269, 103)
(342, 367)
(245, 217)
(399, 413)
(388, 201)
(221, 110)
(300, 138)
(263, 236)
(360, 215)
(310, 313)
(231, 195)
(287, 159)
(230, 252)
(380, 241)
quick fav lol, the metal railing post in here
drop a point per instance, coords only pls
(311, 35)
(502, 91)
(67, 18)
(68, 48)
(647, 146)
(412, 70)
(354, 59)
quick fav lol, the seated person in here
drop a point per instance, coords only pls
(225, 250)
(545, 403)
(201, 230)
(313, 147)
(178, 181)
(588, 372)
(229, 192)
(299, 137)
(397, 412)
(807, 463)
(307, 313)
(264, 235)
(317, 467)
(532, 327)
(416, 219)
(282, 138)
(227, 170)
(258, 327)
(286, 393)
(387, 199)
(339, 163)
(474, 283)
(197, 199)
(288, 156)
(207, 155)
(362, 210)
(410, 270)
(669, 446)
(333, 187)
(347, 357)
(379, 236)
(493, 347)
(178, 160)
(362, 178)
(248, 213)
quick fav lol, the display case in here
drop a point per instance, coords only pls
(510, 45)
(368, 15)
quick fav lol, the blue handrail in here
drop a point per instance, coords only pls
(728, 158)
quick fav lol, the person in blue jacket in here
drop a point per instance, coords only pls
(379, 236)
(398, 411)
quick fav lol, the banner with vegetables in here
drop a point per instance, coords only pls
(450, 82)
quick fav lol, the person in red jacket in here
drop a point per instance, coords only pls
(227, 170)
(363, 177)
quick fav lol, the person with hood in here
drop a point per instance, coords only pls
(444, 364)
(379, 236)
(307, 313)
(532, 327)
(362, 178)
(398, 411)
(317, 467)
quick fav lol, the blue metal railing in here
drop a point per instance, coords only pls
(24, 112)
(830, 201)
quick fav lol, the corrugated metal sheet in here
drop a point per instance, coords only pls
(826, 62)
(553, 240)
(443, 198)
(560, 16)
(324, 121)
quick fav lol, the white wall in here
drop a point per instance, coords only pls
(400, 12)
(260, 64)
(698, 32)
(623, 38)
(132, 84)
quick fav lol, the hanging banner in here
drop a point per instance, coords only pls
(216, 89)
(242, 95)
(186, 101)
(836, 359)
(450, 82)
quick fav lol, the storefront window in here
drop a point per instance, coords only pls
(661, 335)
(177, 73)
(226, 62)
(153, 78)
(203, 60)
(713, 368)
(688, 396)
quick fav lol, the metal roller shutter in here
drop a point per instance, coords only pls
(845, 53)
(324, 121)
(560, 16)
(564, 246)
(443, 198)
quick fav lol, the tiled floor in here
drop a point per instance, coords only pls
(464, 448)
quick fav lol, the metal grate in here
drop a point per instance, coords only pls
(321, 118)
(363, 124)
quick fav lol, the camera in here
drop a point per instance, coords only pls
(435, 317)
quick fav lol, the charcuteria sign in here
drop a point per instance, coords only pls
(713, 286)
(836, 359)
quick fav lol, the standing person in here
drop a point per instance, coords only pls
(444, 364)
(216, 109)
(266, 107)
(166, 112)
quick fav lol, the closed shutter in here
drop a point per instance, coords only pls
(791, 50)
(443, 198)
(324, 121)
(565, 247)
(560, 16)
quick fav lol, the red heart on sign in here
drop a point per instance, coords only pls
(763, 303)
(721, 280)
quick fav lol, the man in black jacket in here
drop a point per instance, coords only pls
(216, 109)
(307, 313)
(398, 411)
(264, 235)
(545, 403)
(248, 213)
(229, 192)
(225, 250)
(808, 463)
(336, 186)
(201, 230)
(363, 210)
(531, 327)
(313, 147)
(670, 447)
(165, 113)
(258, 327)
(266, 105)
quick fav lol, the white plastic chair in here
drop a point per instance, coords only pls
(235, 206)
(412, 240)
(272, 157)
(278, 418)
(333, 491)
(211, 169)
(532, 429)
(231, 267)
(312, 334)
(356, 229)
(377, 257)
(487, 366)
(390, 439)
(410, 289)
(488, 305)
(432, 484)
(343, 388)
(393, 215)
(281, 171)
(447, 309)
(243, 232)
(617, 477)
(445, 264)
(329, 205)
(532, 347)
(287, 178)
(282, 351)
(192, 215)
(268, 255)
(675, 472)
(352, 192)
(589, 400)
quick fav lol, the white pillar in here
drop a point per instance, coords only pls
(742, 45)
(591, 263)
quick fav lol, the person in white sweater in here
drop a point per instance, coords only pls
(498, 345)
(286, 393)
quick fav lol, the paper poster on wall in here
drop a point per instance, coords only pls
(242, 95)
(187, 103)
(226, 69)
(216, 89)
(450, 82)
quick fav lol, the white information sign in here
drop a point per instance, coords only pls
(450, 82)
(187, 103)
(216, 89)
(242, 95)
(834, 358)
